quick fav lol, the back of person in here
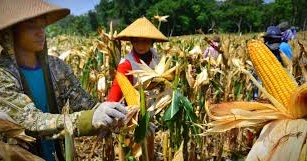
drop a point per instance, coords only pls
(272, 40)
(211, 50)
(287, 35)
(286, 49)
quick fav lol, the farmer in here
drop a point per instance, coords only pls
(287, 35)
(34, 86)
(213, 50)
(272, 40)
(142, 34)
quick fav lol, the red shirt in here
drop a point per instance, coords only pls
(115, 93)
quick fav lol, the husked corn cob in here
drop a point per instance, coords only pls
(129, 92)
(275, 79)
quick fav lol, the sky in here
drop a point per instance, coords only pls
(77, 7)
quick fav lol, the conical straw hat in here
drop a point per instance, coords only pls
(141, 28)
(15, 11)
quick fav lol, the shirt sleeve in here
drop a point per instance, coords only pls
(21, 109)
(115, 93)
(71, 88)
(206, 52)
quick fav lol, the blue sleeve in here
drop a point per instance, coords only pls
(286, 48)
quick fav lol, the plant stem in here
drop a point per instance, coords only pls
(144, 150)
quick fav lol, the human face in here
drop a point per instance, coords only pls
(141, 45)
(30, 35)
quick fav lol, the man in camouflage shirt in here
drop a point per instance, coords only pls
(34, 86)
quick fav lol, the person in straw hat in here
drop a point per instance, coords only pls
(142, 34)
(34, 87)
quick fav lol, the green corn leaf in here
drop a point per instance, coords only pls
(69, 139)
(143, 101)
(99, 58)
(141, 130)
(190, 115)
(174, 108)
(237, 88)
(86, 74)
(131, 158)
(69, 146)
(187, 105)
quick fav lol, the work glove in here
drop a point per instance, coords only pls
(109, 114)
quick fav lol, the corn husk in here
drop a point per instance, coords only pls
(281, 140)
(12, 130)
(284, 134)
(161, 73)
(15, 153)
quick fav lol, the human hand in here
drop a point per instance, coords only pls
(108, 114)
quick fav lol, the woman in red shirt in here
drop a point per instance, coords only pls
(142, 34)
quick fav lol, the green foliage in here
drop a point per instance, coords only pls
(185, 16)
(174, 108)
(141, 129)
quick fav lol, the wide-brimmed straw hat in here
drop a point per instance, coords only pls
(15, 11)
(141, 28)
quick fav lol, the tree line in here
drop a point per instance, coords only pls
(187, 16)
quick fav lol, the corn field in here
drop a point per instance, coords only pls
(181, 88)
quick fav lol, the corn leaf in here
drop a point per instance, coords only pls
(179, 154)
(174, 108)
(188, 108)
(141, 129)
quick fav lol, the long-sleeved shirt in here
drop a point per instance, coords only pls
(125, 65)
(210, 51)
(286, 48)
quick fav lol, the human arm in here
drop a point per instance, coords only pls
(69, 87)
(23, 111)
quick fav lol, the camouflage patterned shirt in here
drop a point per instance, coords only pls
(15, 101)
(61, 84)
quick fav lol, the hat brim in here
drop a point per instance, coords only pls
(51, 17)
(141, 28)
(16, 11)
(128, 38)
(272, 36)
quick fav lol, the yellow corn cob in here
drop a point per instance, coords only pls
(130, 93)
(275, 79)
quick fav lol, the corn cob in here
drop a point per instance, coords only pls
(275, 79)
(131, 95)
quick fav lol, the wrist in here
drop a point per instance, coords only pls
(84, 123)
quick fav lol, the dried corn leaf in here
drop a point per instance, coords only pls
(161, 70)
(299, 101)
(179, 154)
(201, 78)
(189, 76)
(243, 110)
(11, 129)
(228, 125)
(14, 152)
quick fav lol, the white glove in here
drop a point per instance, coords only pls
(108, 114)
